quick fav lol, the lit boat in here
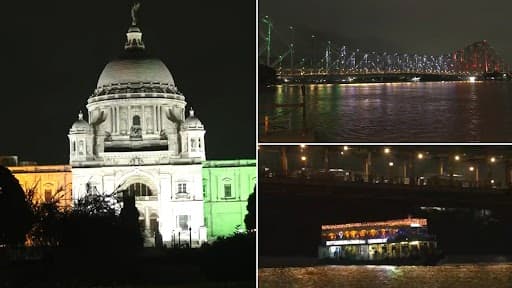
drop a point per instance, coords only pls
(393, 242)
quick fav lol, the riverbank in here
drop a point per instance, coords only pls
(453, 259)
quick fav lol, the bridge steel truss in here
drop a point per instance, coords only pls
(475, 59)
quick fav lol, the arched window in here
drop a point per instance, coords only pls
(81, 147)
(48, 192)
(153, 223)
(136, 130)
(139, 190)
(136, 120)
(227, 192)
(193, 145)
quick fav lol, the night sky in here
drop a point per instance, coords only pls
(431, 27)
(56, 51)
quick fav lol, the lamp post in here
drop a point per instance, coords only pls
(420, 156)
(284, 161)
(292, 43)
(456, 158)
(326, 159)
(474, 168)
(387, 152)
(304, 159)
(390, 165)
(368, 166)
(492, 161)
(190, 237)
(312, 52)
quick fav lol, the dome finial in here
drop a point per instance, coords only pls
(191, 112)
(134, 35)
(135, 8)
(80, 115)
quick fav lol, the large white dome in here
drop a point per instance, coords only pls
(125, 71)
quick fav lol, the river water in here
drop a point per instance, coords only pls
(395, 112)
(443, 276)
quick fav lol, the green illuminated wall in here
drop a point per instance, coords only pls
(226, 186)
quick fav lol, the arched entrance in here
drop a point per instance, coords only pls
(139, 186)
(138, 189)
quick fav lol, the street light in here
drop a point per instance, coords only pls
(475, 169)
(387, 150)
(391, 164)
(303, 158)
(493, 161)
(420, 156)
(345, 148)
(457, 157)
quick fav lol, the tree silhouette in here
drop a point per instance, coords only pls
(15, 214)
(250, 217)
(129, 224)
(48, 216)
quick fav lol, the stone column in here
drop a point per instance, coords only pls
(161, 118)
(111, 119)
(117, 119)
(143, 120)
(155, 129)
(129, 119)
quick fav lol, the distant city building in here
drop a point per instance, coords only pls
(48, 182)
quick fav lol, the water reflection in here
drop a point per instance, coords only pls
(400, 112)
(444, 276)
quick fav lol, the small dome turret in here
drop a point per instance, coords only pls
(80, 126)
(192, 122)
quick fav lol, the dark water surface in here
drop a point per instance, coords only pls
(397, 112)
(444, 276)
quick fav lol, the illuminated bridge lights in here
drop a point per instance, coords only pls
(331, 58)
